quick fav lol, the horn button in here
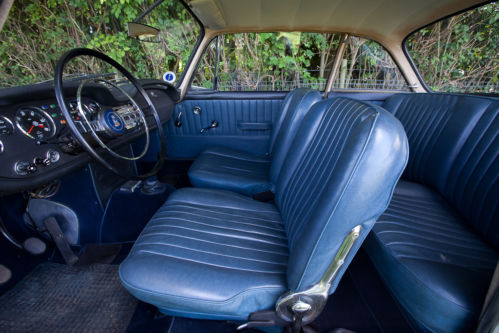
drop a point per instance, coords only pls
(116, 121)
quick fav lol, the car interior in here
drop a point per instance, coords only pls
(356, 194)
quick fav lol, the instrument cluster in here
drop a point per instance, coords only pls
(43, 122)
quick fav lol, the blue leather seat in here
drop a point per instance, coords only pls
(215, 254)
(436, 246)
(246, 173)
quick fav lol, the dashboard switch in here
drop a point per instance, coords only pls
(53, 156)
(32, 168)
(41, 161)
(25, 168)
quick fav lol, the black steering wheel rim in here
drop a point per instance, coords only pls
(59, 93)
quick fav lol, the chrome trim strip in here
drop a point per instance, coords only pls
(316, 296)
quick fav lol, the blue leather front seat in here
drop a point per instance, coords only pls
(436, 246)
(215, 254)
(238, 171)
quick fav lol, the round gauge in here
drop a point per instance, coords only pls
(6, 126)
(35, 123)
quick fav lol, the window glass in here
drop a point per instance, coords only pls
(278, 61)
(38, 32)
(459, 54)
(367, 65)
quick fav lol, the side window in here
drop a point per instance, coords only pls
(459, 54)
(277, 61)
(367, 65)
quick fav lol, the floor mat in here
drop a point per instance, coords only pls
(60, 298)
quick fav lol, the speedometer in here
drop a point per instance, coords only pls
(35, 123)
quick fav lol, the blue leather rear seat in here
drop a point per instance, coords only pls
(215, 254)
(436, 246)
(246, 173)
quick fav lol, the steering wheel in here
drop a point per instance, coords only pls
(111, 123)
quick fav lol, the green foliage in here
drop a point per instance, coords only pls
(38, 32)
(284, 61)
(459, 54)
(269, 61)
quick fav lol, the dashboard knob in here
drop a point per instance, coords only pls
(42, 161)
(53, 156)
(25, 168)
(31, 168)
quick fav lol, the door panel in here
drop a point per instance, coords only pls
(244, 122)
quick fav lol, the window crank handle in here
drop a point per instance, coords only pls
(178, 123)
(213, 124)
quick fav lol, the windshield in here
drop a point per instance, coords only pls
(38, 32)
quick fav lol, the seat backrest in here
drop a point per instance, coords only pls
(294, 107)
(339, 173)
(454, 148)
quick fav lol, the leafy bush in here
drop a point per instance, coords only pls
(459, 54)
(36, 34)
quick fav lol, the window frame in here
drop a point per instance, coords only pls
(196, 46)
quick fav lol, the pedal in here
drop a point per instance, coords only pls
(60, 241)
(5, 274)
(34, 246)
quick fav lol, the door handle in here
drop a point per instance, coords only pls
(213, 124)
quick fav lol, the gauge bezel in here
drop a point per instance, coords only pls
(11, 124)
(52, 122)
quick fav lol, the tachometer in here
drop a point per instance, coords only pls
(35, 123)
(6, 126)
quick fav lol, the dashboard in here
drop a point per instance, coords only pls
(36, 144)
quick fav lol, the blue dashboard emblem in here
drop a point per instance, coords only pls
(114, 121)
(169, 77)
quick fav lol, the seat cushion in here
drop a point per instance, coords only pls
(436, 266)
(454, 148)
(209, 254)
(230, 169)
